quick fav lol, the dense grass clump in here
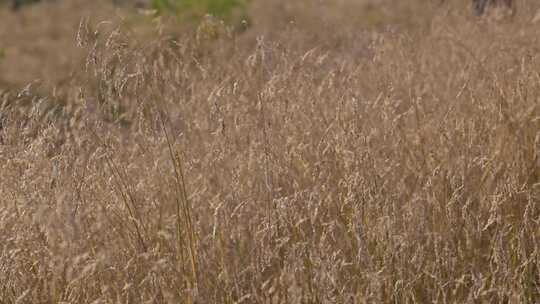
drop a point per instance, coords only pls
(395, 163)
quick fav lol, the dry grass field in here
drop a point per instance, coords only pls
(345, 152)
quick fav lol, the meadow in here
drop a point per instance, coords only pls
(340, 152)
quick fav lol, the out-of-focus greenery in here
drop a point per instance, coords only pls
(196, 9)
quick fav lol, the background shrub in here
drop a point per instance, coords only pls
(198, 8)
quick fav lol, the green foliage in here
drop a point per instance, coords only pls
(195, 9)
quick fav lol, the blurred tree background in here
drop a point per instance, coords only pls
(37, 37)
